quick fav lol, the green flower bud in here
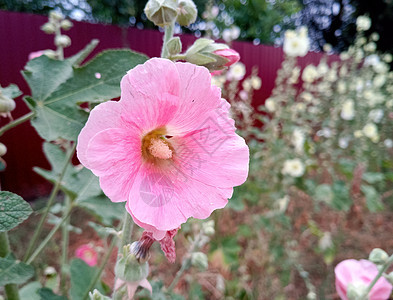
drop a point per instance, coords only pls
(199, 260)
(96, 295)
(6, 104)
(161, 12)
(389, 277)
(378, 256)
(356, 291)
(3, 149)
(202, 53)
(63, 41)
(48, 28)
(66, 24)
(128, 268)
(174, 46)
(187, 12)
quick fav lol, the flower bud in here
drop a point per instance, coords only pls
(48, 28)
(356, 290)
(199, 260)
(208, 227)
(174, 46)
(187, 12)
(66, 24)
(62, 41)
(96, 295)
(230, 54)
(202, 53)
(128, 268)
(55, 16)
(49, 271)
(3, 149)
(6, 104)
(389, 277)
(161, 12)
(378, 256)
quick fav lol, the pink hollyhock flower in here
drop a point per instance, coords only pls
(230, 54)
(88, 254)
(363, 272)
(36, 54)
(168, 147)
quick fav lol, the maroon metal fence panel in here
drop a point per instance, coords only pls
(20, 34)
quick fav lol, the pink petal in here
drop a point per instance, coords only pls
(168, 245)
(103, 116)
(114, 154)
(146, 284)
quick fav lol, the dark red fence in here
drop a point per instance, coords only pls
(20, 34)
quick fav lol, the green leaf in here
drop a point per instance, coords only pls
(12, 91)
(341, 198)
(324, 193)
(56, 104)
(81, 275)
(48, 294)
(13, 210)
(14, 271)
(373, 177)
(373, 200)
(30, 291)
(44, 75)
(81, 55)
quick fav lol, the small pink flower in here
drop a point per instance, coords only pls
(88, 254)
(36, 54)
(168, 147)
(230, 54)
(363, 272)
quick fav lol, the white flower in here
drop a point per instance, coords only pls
(370, 130)
(307, 97)
(298, 139)
(389, 104)
(247, 85)
(270, 105)
(379, 80)
(236, 71)
(218, 81)
(294, 75)
(388, 58)
(348, 110)
(310, 73)
(343, 142)
(332, 75)
(296, 43)
(341, 87)
(282, 203)
(358, 134)
(231, 34)
(372, 60)
(243, 95)
(376, 115)
(388, 143)
(325, 132)
(293, 167)
(370, 47)
(256, 82)
(323, 68)
(363, 23)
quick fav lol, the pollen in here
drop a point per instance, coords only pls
(159, 149)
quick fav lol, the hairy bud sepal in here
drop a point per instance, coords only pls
(128, 268)
(161, 12)
(187, 12)
(378, 256)
(174, 46)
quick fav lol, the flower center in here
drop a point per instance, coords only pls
(160, 149)
(156, 146)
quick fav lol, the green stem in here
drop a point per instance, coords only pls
(11, 290)
(178, 57)
(64, 252)
(185, 264)
(97, 275)
(167, 36)
(48, 237)
(379, 275)
(49, 204)
(16, 122)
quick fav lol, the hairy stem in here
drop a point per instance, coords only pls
(11, 290)
(49, 204)
(167, 36)
(16, 122)
(64, 250)
(379, 275)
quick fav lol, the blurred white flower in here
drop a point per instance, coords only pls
(388, 143)
(323, 68)
(298, 139)
(358, 134)
(294, 75)
(270, 105)
(282, 203)
(343, 71)
(343, 142)
(293, 167)
(389, 103)
(376, 115)
(218, 81)
(325, 132)
(341, 87)
(247, 84)
(230, 34)
(363, 23)
(310, 73)
(307, 97)
(370, 130)
(348, 110)
(236, 71)
(332, 75)
(379, 80)
(387, 58)
(370, 47)
(372, 60)
(256, 82)
(296, 43)
(325, 241)
(243, 95)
